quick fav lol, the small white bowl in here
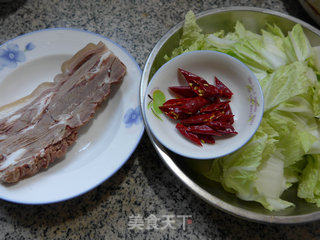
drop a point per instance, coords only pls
(246, 102)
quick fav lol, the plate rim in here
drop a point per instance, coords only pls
(140, 135)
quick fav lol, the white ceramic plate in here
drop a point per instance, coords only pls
(246, 102)
(104, 144)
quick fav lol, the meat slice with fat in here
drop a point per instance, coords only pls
(39, 128)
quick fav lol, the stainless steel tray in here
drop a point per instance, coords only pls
(187, 170)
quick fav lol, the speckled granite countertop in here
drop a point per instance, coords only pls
(144, 185)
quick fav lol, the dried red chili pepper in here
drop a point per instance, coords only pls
(228, 110)
(218, 105)
(183, 91)
(202, 118)
(228, 131)
(206, 138)
(228, 118)
(203, 129)
(207, 130)
(218, 125)
(224, 91)
(174, 113)
(200, 86)
(187, 102)
(192, 137)
(178, 108)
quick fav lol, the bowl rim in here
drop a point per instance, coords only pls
(162, 152)
(235, 61)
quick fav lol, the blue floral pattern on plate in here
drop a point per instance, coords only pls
(12, 55)
(132, 116)
(30, 46)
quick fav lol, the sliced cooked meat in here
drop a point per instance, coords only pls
(39, 128)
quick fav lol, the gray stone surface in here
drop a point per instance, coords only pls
(144, 185)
